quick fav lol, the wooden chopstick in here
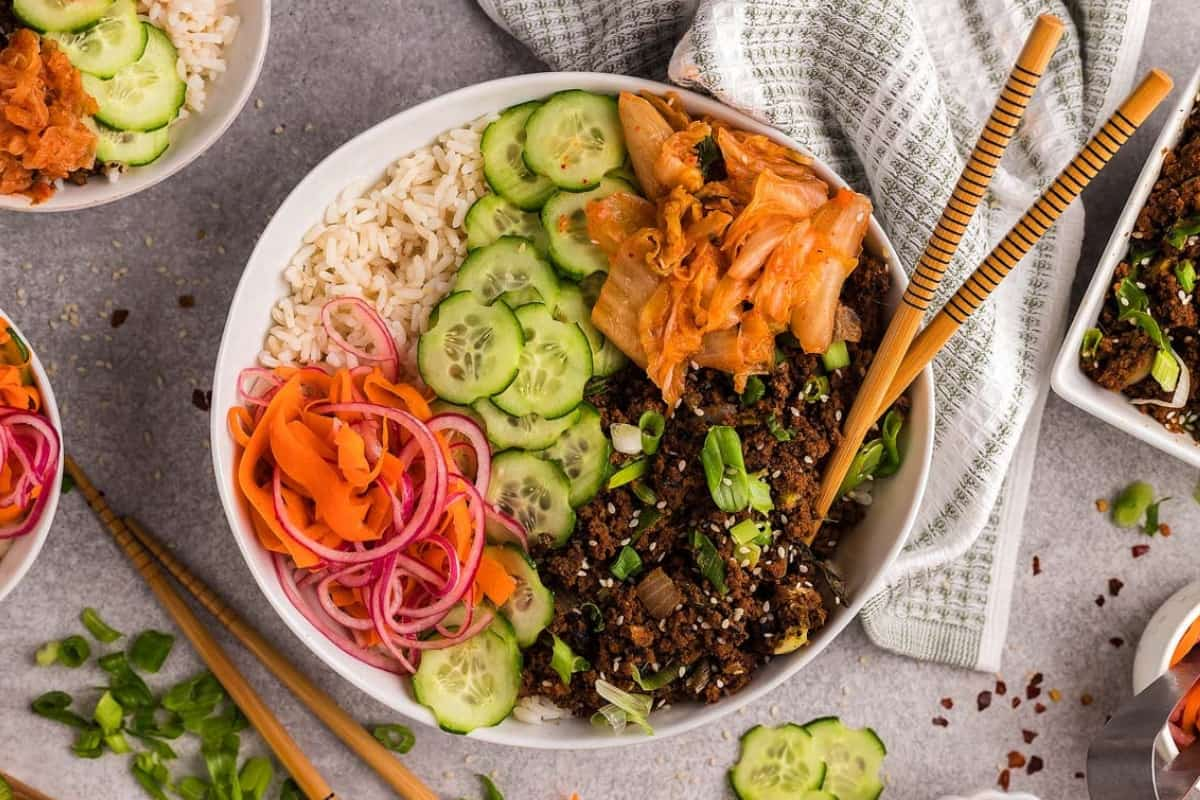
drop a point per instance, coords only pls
(943, 244)
(1123, 123)
(23, 791)
(281, 743)
(393, 772)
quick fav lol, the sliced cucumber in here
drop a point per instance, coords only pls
(574, 139)
(535, 493)
(116, 40)
(776, 764)
(144, 95)
(572, 307)
(473, 684)
(555, 365)
(491, 217)
(471, 350)
(583, 453)
(565, 221)
(531, 607)
(510, 270)
(133, 148)
(60, 15)
(530, 432)
(853, 758)
(504, 167)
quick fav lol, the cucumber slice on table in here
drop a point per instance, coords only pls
(60, 15)
(574, 139)
(572, 307)
(531, 607)
(510, 270)
(116, 40)
(554, 367)
(504, 167)
(491, 217)
(144, 95)
(472, 684)
(133, 148)
(565, 222)
(471, 350)
(853, 758)
(777, 764)
(534, 492)
(583, 453)
(530, 432)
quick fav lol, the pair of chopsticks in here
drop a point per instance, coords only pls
(150, 557)
(903, 354)
(20, 790)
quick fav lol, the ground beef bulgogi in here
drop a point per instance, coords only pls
(712, 642)
(1163, 244)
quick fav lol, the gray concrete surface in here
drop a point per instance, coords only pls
(129, 418)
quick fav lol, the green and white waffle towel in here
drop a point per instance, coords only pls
(891, 94)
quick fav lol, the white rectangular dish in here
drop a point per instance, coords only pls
(1068, 379)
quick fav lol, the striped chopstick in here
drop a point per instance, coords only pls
(264, 721)
(22, 791)
(379, 758)
(1123, 123)
(943, 243)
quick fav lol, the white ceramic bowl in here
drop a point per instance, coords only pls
(19, 558)
(1068, 378)
(863, 558)
(190, 137)
(1157, 645)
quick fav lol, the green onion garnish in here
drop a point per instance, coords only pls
(760, 494)
(750, 531)
(256, 774)
(652, 425)
(150, 649)
(1131, 504)
(596, 616)
(290, 791)
(490, 792)
(1140, 254)
(151, 774)
(97, 627)
(1185, 273)
(108, 713)
(564, 661)
(755, 389)
(630, 472)
(632, 707)
(865, 462)
(816, 387)
(777, 430)
(1165, 370)
(1179, 235)
(644, 493)
(1091, 343)
(627, 563)
(220, 757)
(129, 689)
(395, 737)
(192, 788)
(73, 651)
(893, 421)
(57, 706)
(709, 560)
(1151, 526)
(724, 469)
(89, 743)
(657, 680)
(836, 357)
(47, 654)
(747, 554)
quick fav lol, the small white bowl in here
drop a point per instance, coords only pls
(1157, 645)
(19, 558)
(1068, 379)
(225, 97)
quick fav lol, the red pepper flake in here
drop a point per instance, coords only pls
(947, 703)
(1035, 764)
(1139, 550)
(119, 315)
(1115, 585)
(1079, 776)
(1086, 699)
(1015, 759)
(1028, 735)
(202, 399)
(1037, 566)
(1004, 779)
(187, 300)
(1116, 641)
(1100, 600)
(1032, 691)
(1039, 708)
(1164, 529)
(983, 700)
(1001, 688)
(1037, 679)
(1016, 701)
(941, 722)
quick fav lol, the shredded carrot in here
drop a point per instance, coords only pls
(497, 584)
(1189, 707)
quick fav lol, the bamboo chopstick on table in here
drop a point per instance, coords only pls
(22, 791)
(379, 758)
(281, 743)
(1123, 123)
(943, 244)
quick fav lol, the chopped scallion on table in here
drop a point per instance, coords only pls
(397, 738)
(1131, 504)
(98, 628)
(150, 649)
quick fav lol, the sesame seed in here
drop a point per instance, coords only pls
(612, 509)
(682, 465)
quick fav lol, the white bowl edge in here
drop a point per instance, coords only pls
(1067, 378)
(893, 510)
(1157, 644)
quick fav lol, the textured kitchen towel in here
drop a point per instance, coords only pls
(891, 94)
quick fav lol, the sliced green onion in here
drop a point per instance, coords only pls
(257, 773)
(747, 555)
(490, 792)
(192, 788)
(47, 654)
(150, 649)
(108, 713)
(1140, 254)
(836, 357)
(645, 521)
(1185, 273)
(1179, 235)
(755, 389)
(595, 385)
(68, 483)
(195, 697)
(1165, 370)
(129, 689)
(151, 774)
(156, 746)
(1131, 504)
(657, 680)
(760, 494)
(815, 388)
(709, 560)
(644, 493)
(6, 791)
(97, 627)
(117, 743)
(893, 421)
(635, 707)
(73, 651)
(395, 737)
(596, 616)
(724, 469)
(750, 531)
(865, 462)
(652, 425)
(626, 438)
(627, 563)
(781, 433)
(1151, 526)
(89, 743)
(565, 662)
(57, 706)
(145, 723)
(290, 791)
(220, 758)
(630, 472)
(1091, 343)
(1130, 296)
